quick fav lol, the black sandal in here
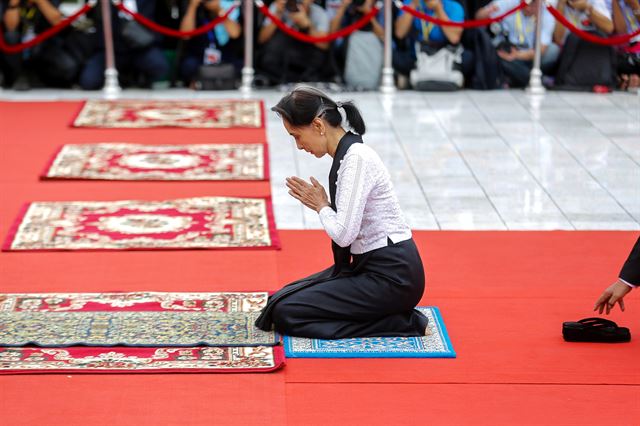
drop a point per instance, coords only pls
(595, 330)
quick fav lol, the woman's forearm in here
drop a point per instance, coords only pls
(603, 23)
(453, 34)
(49, 11)
(188, 22)
(559, 29)
(315, 33)
(11, 16)
(403, 25)
(266, 33)
(233, 28)
(619, 23)
(336, 22)
(377, 28)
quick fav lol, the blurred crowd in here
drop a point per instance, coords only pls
(425, 56)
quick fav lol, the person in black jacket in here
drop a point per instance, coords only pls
(23, 20)
(629, 279)
(137, 49)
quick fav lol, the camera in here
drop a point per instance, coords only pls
(292, 6)
(500, 37)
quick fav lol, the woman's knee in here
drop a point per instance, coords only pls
(282, 316)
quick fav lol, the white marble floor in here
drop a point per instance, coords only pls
(474, 160)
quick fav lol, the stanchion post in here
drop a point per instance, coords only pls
(535, 79)
(387, 85)
(111, 89)
(247, 70)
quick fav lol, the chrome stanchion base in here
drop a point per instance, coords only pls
(387, 85)
(535, 83)
(247, 80)
(111, 89)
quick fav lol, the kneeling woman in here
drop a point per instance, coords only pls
(377, 278)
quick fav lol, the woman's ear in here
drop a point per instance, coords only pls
(318, 125)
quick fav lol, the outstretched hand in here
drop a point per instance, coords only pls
(311, 194)
(613, 294)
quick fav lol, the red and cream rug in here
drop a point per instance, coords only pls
(238, 359)
(189, 223)
(124, 161)
(258, 359)
(214, 114)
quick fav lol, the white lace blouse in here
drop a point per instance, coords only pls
(368, 211)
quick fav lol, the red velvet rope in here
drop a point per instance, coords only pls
(465, 24)
(607, 41)
(48, 33)
(170, 31)
(319, 39)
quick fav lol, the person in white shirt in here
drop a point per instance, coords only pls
(283, 58)
(517, 47)
(590, 15)
(377, 278)
(626, 20)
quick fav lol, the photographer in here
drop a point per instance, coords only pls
(585, 65)
(514, 39)
(447, 10)
(285, 59)
(431, 38)
(351, 11)
(589, 15)
(47, 61)
(214, 48)
(626, 19)
(139, 59)
(361, 54)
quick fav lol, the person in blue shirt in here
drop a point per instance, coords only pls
(448, 10)
(408, 30)
(214, 47)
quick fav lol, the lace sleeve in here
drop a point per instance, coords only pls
(353, 188)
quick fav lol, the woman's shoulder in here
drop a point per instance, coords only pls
(363, 151)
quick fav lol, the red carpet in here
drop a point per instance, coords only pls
(503, 296)
(507, 335)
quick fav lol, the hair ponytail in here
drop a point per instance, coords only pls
(354, 117)
(304, 104)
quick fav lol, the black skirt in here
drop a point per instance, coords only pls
(374, 297)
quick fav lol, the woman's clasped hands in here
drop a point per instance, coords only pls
(312, 195)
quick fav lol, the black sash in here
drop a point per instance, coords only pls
(341, 255)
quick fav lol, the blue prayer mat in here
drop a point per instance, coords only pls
(435, 345)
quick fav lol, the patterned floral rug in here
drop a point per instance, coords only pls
(123, 161)
(136, 359)
(216, 114)
(190, 223)
(435, 345)
(146, 329)
(223, 302)
(258, 359)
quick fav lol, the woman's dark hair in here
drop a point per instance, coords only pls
(305, 103)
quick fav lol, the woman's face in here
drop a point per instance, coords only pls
(309, 138)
